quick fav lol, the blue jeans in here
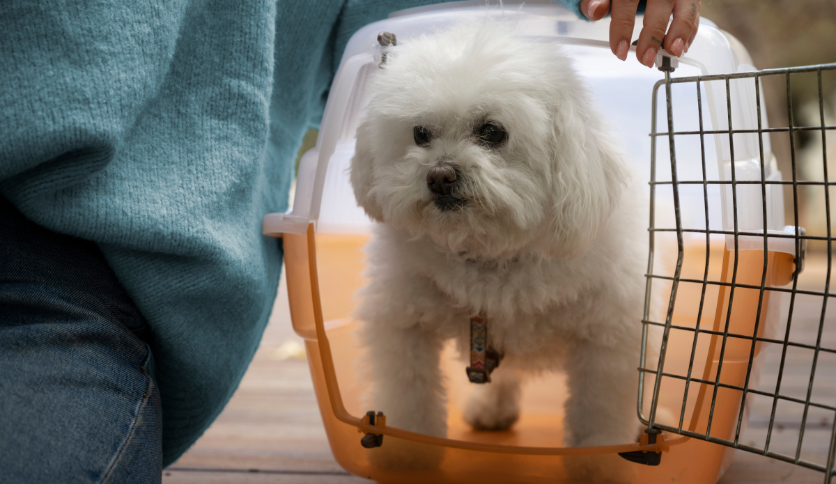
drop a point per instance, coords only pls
(77, 398)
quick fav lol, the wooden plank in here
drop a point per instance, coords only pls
(223, 476)
(754, 469)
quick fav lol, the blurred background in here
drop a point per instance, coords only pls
(790, 33)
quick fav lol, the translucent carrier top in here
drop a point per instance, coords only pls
(622, 92)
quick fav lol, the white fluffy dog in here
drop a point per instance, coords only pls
(499, 193)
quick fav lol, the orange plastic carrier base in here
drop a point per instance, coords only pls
(325, 270)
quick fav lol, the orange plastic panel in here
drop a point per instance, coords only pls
(299, 289)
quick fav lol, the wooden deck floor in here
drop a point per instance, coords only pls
(271, 430)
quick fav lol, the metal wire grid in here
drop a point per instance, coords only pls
(798, 238)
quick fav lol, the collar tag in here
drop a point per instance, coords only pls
(483, 357)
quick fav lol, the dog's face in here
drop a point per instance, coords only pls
(487, 144)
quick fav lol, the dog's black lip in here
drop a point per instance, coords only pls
(446, 203)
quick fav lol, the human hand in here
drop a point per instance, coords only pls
(683, 29)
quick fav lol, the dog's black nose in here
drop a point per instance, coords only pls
(440, 179)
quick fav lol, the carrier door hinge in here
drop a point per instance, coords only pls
(647, 457)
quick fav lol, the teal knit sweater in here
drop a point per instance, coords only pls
(164, 130)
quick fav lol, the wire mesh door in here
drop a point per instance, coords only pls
(733, 297)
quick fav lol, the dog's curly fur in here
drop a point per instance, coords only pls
(546, 237)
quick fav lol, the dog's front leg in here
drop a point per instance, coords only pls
(601, 410)
(408, 390)
(603, 388)
(407, 377)
(495, 405)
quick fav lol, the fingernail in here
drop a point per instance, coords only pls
(676, 47)
(649, 56)
(590, 8)
(621, 50)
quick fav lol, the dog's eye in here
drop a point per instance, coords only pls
(422, 135)
(491, 134)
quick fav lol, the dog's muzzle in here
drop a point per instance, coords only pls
(444, 181)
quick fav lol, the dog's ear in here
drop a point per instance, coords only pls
(588, 176)
(362, 172)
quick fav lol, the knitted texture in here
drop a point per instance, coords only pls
(164, 130)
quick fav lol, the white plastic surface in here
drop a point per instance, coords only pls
(623, 93)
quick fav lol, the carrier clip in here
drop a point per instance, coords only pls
(665, 62)
(370, 441)
(647, 457)
(385, 39)
(483, 357)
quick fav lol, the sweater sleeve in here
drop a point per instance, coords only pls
(574, 6)
(75, 76)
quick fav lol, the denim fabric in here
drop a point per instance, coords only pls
(77, 399)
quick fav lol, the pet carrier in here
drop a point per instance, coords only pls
(724, 234)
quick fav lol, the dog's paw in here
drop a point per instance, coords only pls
(399, 454)
(496, 405)
(491, 414)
